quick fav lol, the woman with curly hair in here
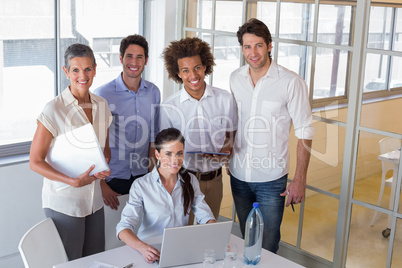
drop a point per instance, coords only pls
(205, 115)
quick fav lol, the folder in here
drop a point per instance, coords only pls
(75, 151)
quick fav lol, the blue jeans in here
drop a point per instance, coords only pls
(271, 206)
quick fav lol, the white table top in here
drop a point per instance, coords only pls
(121, 256)
(392, 157)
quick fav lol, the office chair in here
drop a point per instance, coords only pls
(41, 246)
(387, 144)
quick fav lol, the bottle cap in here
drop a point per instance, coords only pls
(256, 205)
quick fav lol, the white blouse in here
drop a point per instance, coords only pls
(61, 115)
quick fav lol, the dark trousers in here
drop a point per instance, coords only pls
(122, 186)
(81, 236)
(271, 206)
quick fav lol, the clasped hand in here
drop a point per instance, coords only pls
(85, 178)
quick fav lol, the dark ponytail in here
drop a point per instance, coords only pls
(173, 134)
(188, 190)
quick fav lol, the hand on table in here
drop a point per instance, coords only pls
(150, 253)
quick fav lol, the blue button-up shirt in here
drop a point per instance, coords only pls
(134, 126)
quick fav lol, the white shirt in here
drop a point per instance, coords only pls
(266, 112)
(61, 115)
(160, 209)
(203, 123)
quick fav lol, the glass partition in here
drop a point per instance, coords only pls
(321, 44)
(396, 256)
(383, 114)
(366, 246)
(319, 224)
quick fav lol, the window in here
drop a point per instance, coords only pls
(336, 46)
(383, 70)
(318, 49)
(27, 64)
(29, 70)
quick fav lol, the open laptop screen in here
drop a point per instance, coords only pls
(185, 245)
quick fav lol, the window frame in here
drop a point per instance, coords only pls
(353, 100)
(11, 150)
(320, 103)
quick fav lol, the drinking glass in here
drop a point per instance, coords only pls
(230, 256)
(209, 258)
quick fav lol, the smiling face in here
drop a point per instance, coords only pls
(171, 157)
(133, 61)
(255, 51)
(192, 72)
(81, 74)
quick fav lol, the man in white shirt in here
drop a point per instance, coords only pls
(269, 99)
(204, 114)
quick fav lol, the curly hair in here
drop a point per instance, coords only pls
(187, 47)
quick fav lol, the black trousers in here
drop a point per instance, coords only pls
(122, 186)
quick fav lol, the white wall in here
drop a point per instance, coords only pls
(20, 209)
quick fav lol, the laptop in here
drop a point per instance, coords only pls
(185, 245)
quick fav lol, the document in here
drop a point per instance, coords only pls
(75, 151)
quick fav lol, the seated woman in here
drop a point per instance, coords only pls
(165, 195)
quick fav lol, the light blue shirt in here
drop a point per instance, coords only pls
(134, 126)
(159, 208)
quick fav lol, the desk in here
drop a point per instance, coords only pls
(392, 157)
(124, 255)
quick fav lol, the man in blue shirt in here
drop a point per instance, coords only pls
(133, 102)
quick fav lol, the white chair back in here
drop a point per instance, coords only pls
(388, 144)
(41, 246)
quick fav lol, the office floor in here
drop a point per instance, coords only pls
(366, 248)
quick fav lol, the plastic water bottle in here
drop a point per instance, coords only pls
(253, 239)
